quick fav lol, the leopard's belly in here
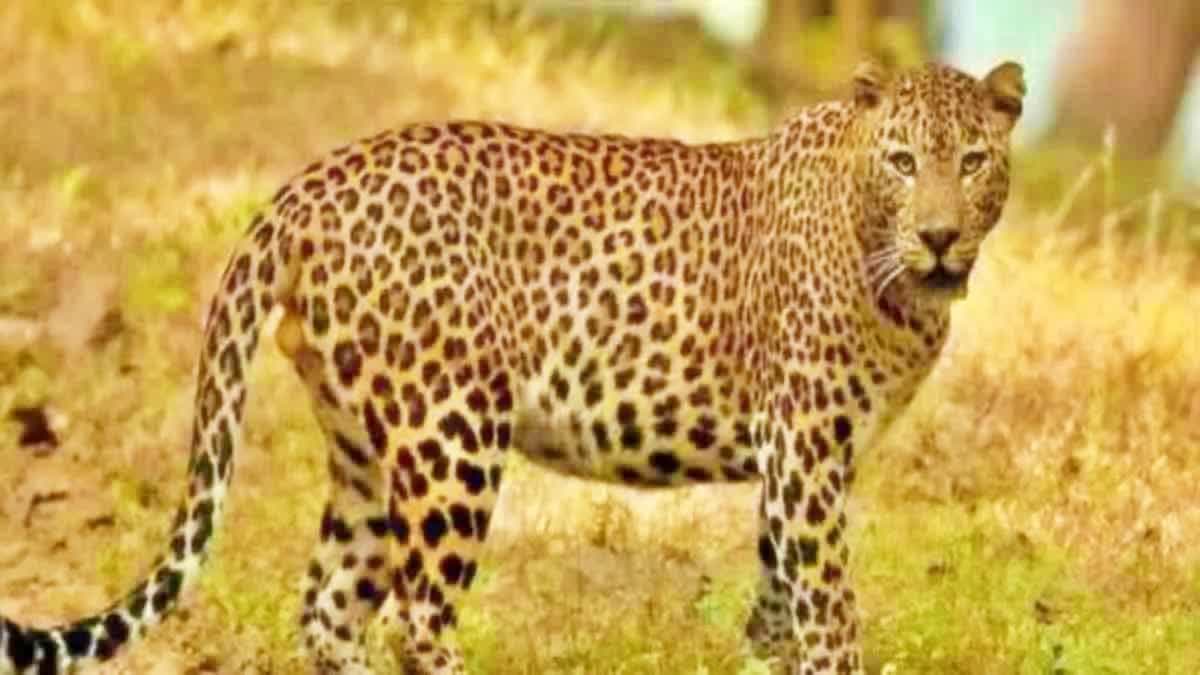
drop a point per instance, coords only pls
(564, 423)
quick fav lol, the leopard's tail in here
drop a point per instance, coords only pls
(254, 281)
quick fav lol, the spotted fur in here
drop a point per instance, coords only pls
(637, 311)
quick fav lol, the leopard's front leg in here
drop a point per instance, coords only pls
(805, 617)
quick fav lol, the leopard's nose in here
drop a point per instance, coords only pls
(939, 240)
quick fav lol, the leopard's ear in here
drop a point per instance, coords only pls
(1004, 87)
(870, 79)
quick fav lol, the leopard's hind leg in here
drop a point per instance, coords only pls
(348, 577)
(445, 454)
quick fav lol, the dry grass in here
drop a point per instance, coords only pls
(1034, 512)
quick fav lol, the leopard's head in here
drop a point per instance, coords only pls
(933, 165)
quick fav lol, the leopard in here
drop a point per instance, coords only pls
(646, 312)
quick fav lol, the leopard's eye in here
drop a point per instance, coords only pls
(903, 162)
(971, 162)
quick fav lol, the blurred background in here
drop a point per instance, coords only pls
(1034, 512)
(1120, 64)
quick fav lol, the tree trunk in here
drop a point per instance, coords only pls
(855, 20)
(1128, 65)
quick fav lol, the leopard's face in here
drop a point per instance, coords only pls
(935, 170)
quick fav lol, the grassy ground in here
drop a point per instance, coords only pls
(1035, 513)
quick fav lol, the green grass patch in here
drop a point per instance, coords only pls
(965, 595)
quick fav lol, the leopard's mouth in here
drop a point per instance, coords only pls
(943, 280)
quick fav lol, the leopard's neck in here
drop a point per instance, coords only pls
(806, 276)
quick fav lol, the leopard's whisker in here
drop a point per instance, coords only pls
(892, 276)
(882, 254)
(881, 268)
(883, 251)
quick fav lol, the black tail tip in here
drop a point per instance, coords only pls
(27, 649)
